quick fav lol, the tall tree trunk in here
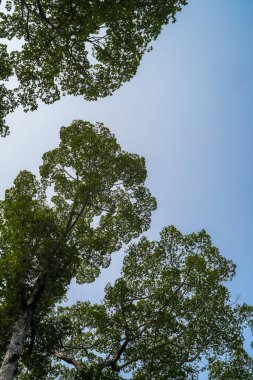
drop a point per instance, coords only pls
(9, 367)
(14, 351)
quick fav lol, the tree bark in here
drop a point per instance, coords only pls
(14, 351)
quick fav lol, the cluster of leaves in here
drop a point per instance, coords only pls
(237, 365)
(168, 313)
(78, 47)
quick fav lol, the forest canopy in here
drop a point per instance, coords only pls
(170, 310)
(169, 315)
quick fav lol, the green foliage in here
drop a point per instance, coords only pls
(86, 48)
(236, 366)
(168, 313)
(99, 202)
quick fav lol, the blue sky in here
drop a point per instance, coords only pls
(189, 111)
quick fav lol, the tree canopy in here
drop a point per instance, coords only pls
(86, 48)
(167, 314)
(99, 202)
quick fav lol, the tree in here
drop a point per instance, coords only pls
(168, 312)
(86, 48)
(99, 202)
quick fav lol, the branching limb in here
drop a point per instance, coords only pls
(113, 361)
(68, 360)
(38, 291)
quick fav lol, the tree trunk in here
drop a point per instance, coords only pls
(14, 351)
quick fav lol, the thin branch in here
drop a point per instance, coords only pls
(191, 359)
(68, 174)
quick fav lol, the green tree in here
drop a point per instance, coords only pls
(237, 365)
(99, 202)
(75, 47)
(168, 312)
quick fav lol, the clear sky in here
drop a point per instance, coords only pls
(189, 111)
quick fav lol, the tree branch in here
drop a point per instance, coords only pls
(38, 291)
(191, 359)
(112, 362)
(42, 15)
(68, 360)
